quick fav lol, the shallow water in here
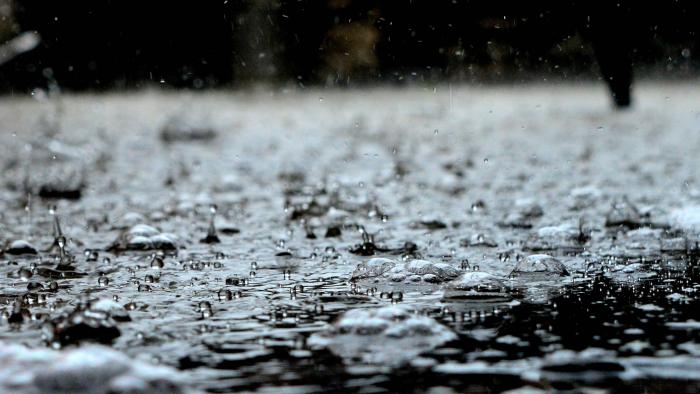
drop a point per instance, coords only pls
(303, 187)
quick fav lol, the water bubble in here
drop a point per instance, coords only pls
(103, 281)
(254, 266)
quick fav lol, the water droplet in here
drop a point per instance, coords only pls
(91, 255)
(157, 262)
(225, 295)
(204, 308)
(24, 274)
(211, 236)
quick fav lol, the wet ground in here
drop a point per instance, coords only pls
(425, 239)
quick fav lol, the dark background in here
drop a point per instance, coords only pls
(101, 44)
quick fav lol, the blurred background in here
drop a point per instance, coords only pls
(106, 44)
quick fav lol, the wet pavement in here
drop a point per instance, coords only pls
(418, 239)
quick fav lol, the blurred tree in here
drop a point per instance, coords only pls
(113, 43)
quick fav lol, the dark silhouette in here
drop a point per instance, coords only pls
(96, 44)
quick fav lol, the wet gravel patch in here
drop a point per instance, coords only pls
(432, 238)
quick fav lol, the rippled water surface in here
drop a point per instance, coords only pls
(390, 240)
